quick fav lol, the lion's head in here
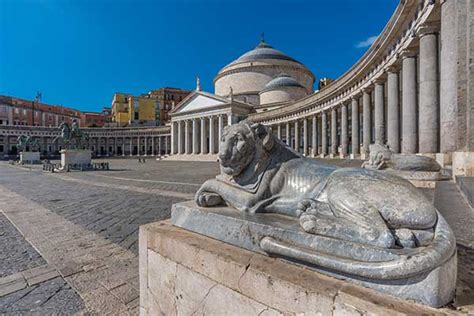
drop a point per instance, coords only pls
(240, 144)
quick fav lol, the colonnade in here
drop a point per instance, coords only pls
(199, 135)
(102, 141)
(400, 108)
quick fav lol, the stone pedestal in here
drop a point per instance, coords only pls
(75, 157)
(463, 163)
(30, 157)
(182, 273)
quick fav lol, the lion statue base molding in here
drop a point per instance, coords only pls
(365, 226)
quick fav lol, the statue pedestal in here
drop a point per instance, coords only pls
(75, 157)
(432, 286)
(30, 157)
(182, 272)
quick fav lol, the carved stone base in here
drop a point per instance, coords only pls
(182, 273)
(75, 157)
(30, 157)
(434, 287)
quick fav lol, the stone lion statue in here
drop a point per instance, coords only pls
(381, 157)
(260, 174)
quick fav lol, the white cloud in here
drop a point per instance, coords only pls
(368, 42)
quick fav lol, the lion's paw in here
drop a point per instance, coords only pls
(206, 199)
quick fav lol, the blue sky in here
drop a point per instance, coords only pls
(78, 53)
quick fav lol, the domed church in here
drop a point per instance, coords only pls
(260, 79)
(264, 76)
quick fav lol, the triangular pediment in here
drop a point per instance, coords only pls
(199, 101)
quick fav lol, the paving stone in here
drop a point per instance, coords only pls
(125, 293)
(47, 298)
(42, 277)
(13, 286)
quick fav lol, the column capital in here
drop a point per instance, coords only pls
(356, 96)
(393, 68)
(379, 80)
(367, 89)
(428, 28)
(408, 53)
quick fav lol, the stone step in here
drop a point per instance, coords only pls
(466, 186)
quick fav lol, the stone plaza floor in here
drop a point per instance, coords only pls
(69, 241)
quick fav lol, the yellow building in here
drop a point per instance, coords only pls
(128, 110)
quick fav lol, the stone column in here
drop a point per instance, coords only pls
(305, 136)
(123, 146)
(131, 146)
(409, 103)
(344, 138)
(180, 138)
(173, 138)
(279, 131)
(139, 145)
(379, 110)
(297, 136)
(153, 145)
(146, 146)
(324, 134)
(230, 119)
(366, 122)
(448, 77)
(159, 145)
(187, 140)
(314, 137)
(195, 137)
(220, 128)
(203, 136)
(393, 110)
(333, 131)
(212, 145)
(429, 94)
(355, 142)
(288, 134)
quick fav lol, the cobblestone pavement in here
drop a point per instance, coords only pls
(85, 225)
(16, 254)
(27, 284)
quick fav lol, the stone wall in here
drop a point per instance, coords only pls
(252, 79)
(182, 273)
(282, 95)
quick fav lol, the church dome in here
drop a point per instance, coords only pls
(282, 81)
(263, 51)
(249, 74)
(282, 88)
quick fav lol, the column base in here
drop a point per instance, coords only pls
(354, 156)
(463, 163)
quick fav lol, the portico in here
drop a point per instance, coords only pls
(197, 124)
